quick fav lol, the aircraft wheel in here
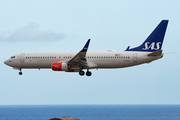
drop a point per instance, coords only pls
(81, 73)
(88, 73)
(20, 73)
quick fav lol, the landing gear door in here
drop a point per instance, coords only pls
(22, 57)
(135, 57)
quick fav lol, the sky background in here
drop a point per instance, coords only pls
(66, 25)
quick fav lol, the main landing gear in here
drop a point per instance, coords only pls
(88, 73)
(81, 73)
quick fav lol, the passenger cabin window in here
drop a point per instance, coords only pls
(13, 57)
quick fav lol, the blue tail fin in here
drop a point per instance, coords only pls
(155, 40)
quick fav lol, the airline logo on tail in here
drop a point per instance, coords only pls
(155, 39)
(152, 46)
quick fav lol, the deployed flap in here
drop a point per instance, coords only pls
(88, 64)
(83, 63)
(156, 53)
(81, 55)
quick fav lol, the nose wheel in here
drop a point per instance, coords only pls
(20, 73)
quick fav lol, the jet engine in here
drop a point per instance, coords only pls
(60, 66)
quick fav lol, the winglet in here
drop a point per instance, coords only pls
(85, 48)
(80, 55)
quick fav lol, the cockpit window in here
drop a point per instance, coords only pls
(13, 57)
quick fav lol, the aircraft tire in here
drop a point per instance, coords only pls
(81, 73)
(88, 73)
(20, 73)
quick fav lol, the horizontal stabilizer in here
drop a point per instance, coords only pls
(127, 48)
(156, 53)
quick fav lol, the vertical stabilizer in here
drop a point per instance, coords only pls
(155, 40)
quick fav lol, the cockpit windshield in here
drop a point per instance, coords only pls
(12, 57)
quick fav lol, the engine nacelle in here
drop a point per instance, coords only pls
(60, 66)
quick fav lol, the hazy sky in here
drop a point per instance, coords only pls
(64, 25)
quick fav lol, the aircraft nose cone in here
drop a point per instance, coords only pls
(6, 62)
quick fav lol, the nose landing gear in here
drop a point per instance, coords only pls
(20, 73)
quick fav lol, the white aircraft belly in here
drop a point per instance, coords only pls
(116, 63)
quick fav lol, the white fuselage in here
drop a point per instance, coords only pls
(148, 51)
(104, 59)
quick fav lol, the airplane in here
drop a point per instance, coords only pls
(73, 61)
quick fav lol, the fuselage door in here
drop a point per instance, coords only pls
(22, 57)
(135, 57)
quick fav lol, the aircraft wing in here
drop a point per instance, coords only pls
(79, 59)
